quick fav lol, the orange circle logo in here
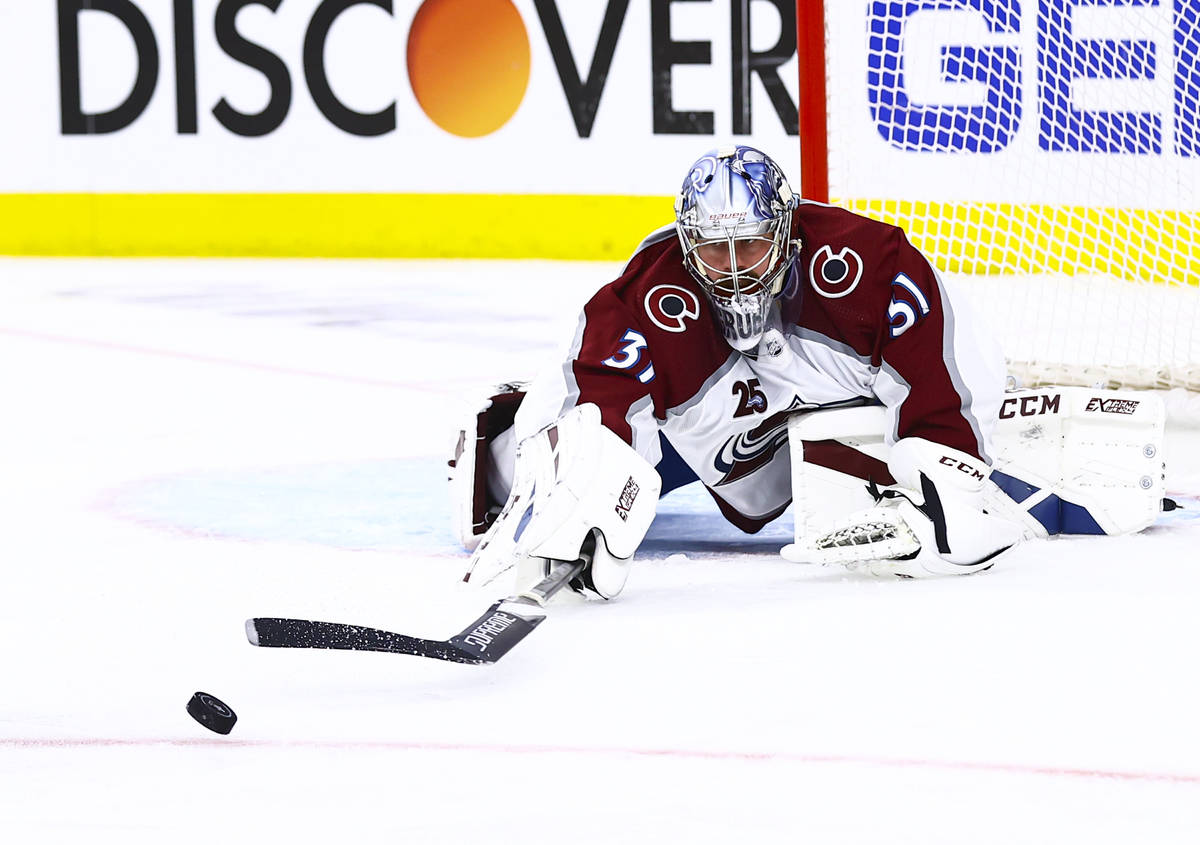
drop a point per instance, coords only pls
(468, 63)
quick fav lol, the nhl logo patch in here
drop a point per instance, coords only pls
(834, 276)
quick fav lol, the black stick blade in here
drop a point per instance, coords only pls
(485, 641)
(271, 632)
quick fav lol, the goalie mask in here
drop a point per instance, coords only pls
(734, 219)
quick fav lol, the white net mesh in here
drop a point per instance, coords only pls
(1046, 156)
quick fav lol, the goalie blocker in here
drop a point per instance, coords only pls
(577, 491)
(1067, 461)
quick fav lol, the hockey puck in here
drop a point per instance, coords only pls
(211, 712)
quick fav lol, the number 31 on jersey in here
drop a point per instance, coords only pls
(629, 355)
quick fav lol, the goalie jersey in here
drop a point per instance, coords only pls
(863, 317)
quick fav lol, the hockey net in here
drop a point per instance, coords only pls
(1044, 155)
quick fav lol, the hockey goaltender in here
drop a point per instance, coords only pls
(782, 351)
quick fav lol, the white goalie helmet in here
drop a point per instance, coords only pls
(734, 219)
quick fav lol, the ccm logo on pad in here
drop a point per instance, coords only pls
(961, 466)
(1029, 406)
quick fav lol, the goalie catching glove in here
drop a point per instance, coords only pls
(932, 523)
(578, 490)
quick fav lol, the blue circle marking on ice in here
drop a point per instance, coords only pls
(386, 505)
(389, 505)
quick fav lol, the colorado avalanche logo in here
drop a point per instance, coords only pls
(835, 276)
(670, 306)
(751, 450)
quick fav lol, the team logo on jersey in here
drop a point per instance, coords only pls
(835, 276)
(670, 307)
(753, 449)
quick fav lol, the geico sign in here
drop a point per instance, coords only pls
(468, 65)
(1062, 59)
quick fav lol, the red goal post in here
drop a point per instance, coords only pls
(1045, 155)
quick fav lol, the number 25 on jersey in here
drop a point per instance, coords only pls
(751, 399)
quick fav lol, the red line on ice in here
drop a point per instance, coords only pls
(675, 753)
(213, 359)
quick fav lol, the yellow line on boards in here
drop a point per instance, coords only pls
(964, 237)
(582, 227)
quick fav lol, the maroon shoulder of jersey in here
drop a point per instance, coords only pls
(862, 283)
(650, 332)
(845, 269)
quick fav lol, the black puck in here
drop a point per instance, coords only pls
(211, 712)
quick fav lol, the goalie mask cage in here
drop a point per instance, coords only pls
(1045, 156)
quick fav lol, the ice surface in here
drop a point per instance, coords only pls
(190, 443)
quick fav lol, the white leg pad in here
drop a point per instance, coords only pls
(1074, 460)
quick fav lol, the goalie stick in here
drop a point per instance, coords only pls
(485, 640)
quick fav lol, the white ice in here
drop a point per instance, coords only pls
(186, 444)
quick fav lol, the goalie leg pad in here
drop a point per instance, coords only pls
(1073, 460)
(575, 483)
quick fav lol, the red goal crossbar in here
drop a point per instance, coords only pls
(810, 55)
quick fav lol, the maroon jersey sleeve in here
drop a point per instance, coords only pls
(918, 348)
(613, 368)
(864, 285)
(649, 342)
